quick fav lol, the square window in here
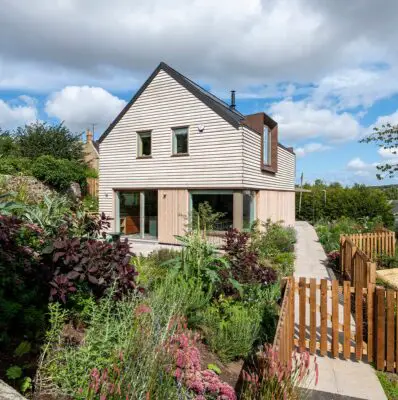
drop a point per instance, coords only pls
(144, 145)
(180, 141)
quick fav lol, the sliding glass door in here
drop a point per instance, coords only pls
(137, 213)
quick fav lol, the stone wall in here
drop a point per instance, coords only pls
(27, 188)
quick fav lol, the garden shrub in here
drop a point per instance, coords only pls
(12, 165)
(41, 139)
(386, 262)
(23, 280)
(59, 173)
(329, 231)
(134, 333)
(244, 259)
(154, 267)
(200, 260)
(231, 328)
(358, 201)
(268, 378)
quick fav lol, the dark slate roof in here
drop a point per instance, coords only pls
(96, 145)
(232, 116)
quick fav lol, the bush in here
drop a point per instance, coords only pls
(59, 173)
(153, 268)
(231, 329)
(268, 378)
(354, 202)
(386, 262)
(13, 165)
(23, 280)
(41, 139)
(329, 231)
(244, 259)
(135, 334)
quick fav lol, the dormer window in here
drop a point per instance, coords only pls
(266, 148)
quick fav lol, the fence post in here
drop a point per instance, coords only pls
(342, 254)
(380, 321)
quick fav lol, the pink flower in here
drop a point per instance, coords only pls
(142, 309)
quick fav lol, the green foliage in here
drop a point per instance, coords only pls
(389, 384)
(386, 262)
(215, 368)
(154, 267)
(132, 331)
(198, 259)
(59, 173)
(41, 139)
(23, 348)
(7, 144)
(91, 203)
(275, 246)
(26, 384)
(14, 372)
(205, 218)
(12, 165)
(385, 137)
(356, 202)
(48, 215)
(231, 328)
(329, 232)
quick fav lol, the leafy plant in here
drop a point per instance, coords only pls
(42, 139)
(268, 378)
(244, 259)
(198, 259)
(230, 328)
(14, 372)
(95, 263)
(23, 348)
(59, 173)
(205, 218)
(49, 215)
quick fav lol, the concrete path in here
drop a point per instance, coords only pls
(336, 376)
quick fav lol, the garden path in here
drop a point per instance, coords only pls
(336, 376)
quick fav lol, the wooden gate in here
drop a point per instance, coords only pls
(339, 321)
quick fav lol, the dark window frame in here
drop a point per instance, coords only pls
(174, 152)
(140, 149)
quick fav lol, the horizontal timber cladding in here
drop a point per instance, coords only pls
(253, 176)
(215, 154)
(173, 208)
(277, 206)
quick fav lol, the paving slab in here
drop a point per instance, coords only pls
(337, 377)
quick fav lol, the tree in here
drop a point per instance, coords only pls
(40, 139)
(385, 137)
(8, 147)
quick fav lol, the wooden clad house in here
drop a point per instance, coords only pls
(175, 145)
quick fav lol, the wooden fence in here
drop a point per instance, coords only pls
(358, 255)
(92, 186)
(284, 336)
(375, 243)
(339, 321)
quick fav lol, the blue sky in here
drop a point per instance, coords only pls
(327, 71)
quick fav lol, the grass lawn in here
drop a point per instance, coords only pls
(389, 382)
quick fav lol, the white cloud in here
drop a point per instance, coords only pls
(223, 42)
(82, 106)
(310, 148)
(12, 116)
(389, 153)
(302, 120)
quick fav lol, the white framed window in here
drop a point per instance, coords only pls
(144, 144)
(180, 141)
